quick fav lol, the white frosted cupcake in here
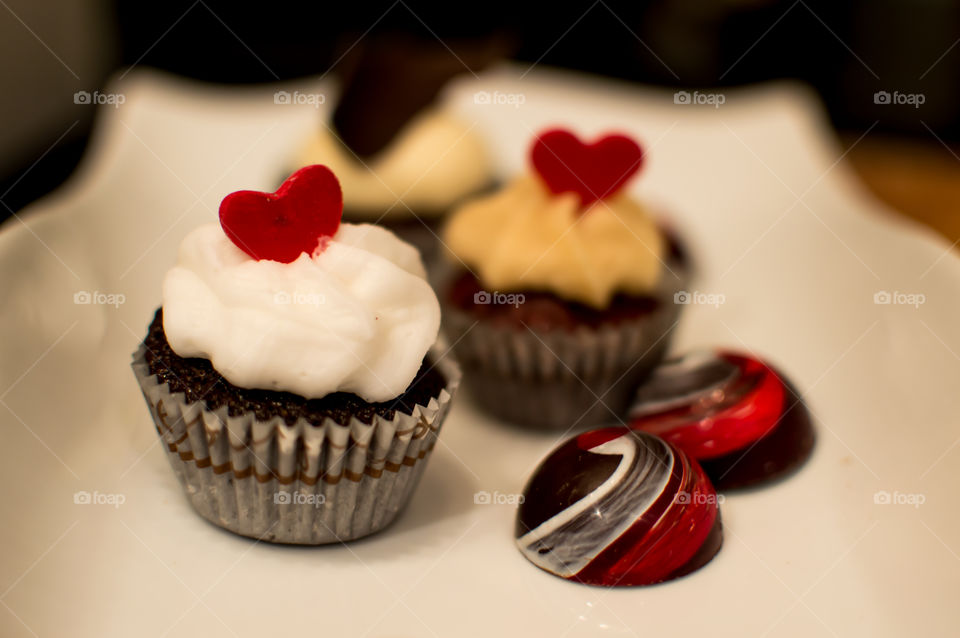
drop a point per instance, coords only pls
(289, 371)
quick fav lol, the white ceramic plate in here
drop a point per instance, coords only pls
(779, 228)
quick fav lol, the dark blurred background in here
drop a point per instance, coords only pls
(847, 51)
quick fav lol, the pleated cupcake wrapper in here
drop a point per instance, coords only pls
(560, 379)
(300, 483)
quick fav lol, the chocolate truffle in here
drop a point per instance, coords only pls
(735, 414)
(616, 507)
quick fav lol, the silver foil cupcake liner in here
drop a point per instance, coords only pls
(561, 379)
(302, 483)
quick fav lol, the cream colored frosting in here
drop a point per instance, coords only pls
(431, 165)
(526, 238)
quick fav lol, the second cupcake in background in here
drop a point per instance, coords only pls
(560, 298)
(402, 160)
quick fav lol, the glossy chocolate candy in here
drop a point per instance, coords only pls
(736, 415)
(616, 507)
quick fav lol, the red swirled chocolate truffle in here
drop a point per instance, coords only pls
(616, 507)
(735, 414)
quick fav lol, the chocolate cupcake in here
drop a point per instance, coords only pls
(289, 371)
(402, 160)
(560, 297)
(434, 163)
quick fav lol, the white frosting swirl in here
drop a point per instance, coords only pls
(357, 316)
(434, 162)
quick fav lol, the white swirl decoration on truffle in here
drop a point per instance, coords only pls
(568, 541)
(526, 238)
(357, 316)
(435, 161)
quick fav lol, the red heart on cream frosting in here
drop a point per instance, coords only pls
(293, 220)
(592, 171)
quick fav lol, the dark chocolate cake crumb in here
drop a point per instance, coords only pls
(197, 379)
(544, 310)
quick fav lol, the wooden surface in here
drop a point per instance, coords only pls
(919, 178)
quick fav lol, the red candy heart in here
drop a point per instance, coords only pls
(281, 226)
(592, 171)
